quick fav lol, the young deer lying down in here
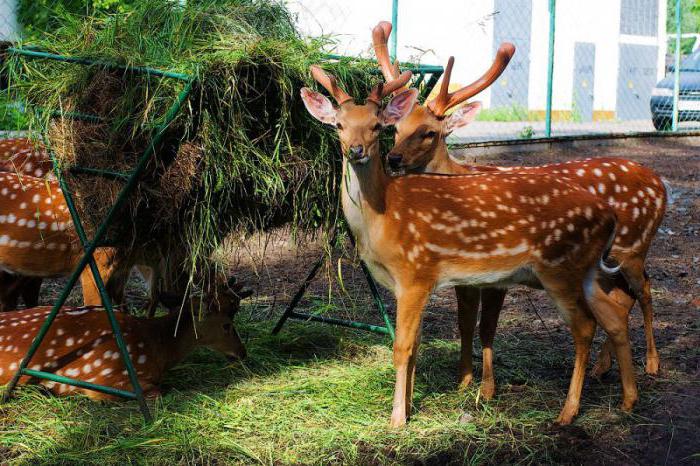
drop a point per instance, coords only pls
(635, 193)
(80, 342)
(419, 233)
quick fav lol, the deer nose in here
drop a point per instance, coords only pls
(356, 151)
(395, 160)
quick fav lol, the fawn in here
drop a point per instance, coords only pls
(79, 344)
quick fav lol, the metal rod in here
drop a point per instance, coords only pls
(106, 300)
(394, 28)
(375, 292)
(79, 383)
(99, 172)
(378, 301)
(76, 116)
(677, 69)
(289, 311)
(90, 62)
(550, 70)
(341, 322)
(412, 67)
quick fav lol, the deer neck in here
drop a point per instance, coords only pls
(176, 339)
(441, 161)
(363, 189)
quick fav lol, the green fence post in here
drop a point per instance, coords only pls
(394, 27)
(677, 68)
(550, 71)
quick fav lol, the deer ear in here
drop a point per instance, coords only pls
(319, 106)
(462, 116)
(399, 106)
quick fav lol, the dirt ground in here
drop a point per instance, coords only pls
(666, 420)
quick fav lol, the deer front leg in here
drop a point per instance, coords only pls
(491, 305)
(468, 298)
(410, 305)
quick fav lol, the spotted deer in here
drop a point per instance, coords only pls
(25, 157)
(636, 194)
(80, 344)
(422, 232)
(37, 240)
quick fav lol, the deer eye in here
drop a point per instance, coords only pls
(429, 134)
(227, 327)
(339, 126)
(377, 127)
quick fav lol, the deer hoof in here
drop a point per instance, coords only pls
(487, 390)
(652, 366)
(465, 380)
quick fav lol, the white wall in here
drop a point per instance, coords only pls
(9, 30)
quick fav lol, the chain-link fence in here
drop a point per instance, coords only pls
(580, 68)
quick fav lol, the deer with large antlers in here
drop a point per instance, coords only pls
(419, 233)
(637, 195)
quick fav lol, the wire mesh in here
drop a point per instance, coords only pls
(611, 59)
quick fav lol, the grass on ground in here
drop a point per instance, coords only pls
(317, 394)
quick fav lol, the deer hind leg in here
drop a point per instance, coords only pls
(491, 305)
(621, 293)
(633, 270)
(613, 318)
(410, 304)
(467, 309)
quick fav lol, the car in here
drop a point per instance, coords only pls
(688, 97)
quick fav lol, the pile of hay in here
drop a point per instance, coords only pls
(242, 155)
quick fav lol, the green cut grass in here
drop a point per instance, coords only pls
(265, 161)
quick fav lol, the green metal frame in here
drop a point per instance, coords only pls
(131, 180)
